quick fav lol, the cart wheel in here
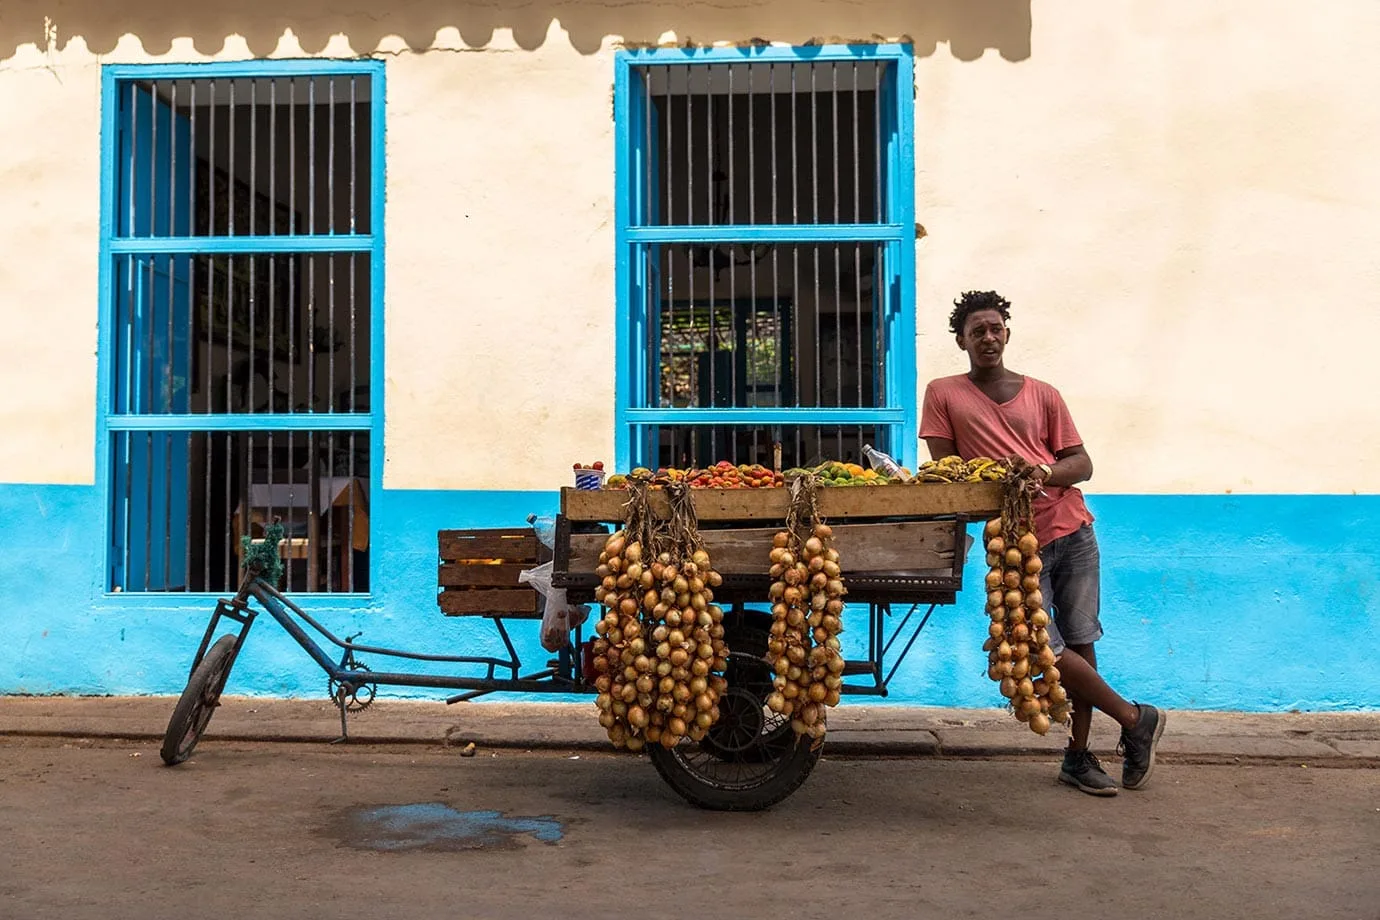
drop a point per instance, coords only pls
(198, 702)
(751, 759)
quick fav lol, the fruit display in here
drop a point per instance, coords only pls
(660, 653)
(807, 594)
(834, 473)
(956, 469)
(1019, 655)
(722, 475)
(831, 473)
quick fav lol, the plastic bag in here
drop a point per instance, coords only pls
(560, 617)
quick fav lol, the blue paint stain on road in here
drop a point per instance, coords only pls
(434, 826)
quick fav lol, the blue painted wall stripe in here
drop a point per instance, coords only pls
(1256, 603)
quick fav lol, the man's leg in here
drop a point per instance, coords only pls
(1088, 691)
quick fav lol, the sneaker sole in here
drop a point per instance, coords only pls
(1154, 743)
(1070, 780)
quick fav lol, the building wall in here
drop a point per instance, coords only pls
(1180, 202)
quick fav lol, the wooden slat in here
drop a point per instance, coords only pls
(470, 575)
(907, 546)
(518, 545)
(976, 499)
(517, 601)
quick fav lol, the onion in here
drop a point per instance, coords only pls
(996, 545)
(1033, 565)
(1039, 723)
(1028, 544)
(1039, 619)
(1013, 599)
(1008, 687)
(1013, 556)
(1035, 600)
(993, 528)
(1012, 578)
(996, 630)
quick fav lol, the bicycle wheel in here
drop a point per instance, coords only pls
(198, 702)
(751, 759)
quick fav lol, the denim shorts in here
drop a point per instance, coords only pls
(1071, 584)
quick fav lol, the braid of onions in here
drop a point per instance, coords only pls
(1020, 658)
(659, 652)
(806, 593)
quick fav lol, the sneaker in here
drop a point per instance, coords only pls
(1138, 747)
(1082, 770)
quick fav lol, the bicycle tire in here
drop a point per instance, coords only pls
(198, 702)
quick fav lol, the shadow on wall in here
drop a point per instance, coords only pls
(968, 27)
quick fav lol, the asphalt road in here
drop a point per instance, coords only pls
(103, 830)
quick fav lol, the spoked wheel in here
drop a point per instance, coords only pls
(750, 760)
(198, 703)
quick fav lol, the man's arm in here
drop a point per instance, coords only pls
(941, 448)
(1071, 466)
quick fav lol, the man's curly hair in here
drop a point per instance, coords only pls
(973, 301)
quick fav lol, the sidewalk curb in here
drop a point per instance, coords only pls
(1345, 740)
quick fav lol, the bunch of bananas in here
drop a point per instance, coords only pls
(956, 469)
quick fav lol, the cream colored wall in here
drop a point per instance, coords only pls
(1180, 201)
(1183, 203)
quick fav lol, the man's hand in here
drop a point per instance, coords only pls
(1032, 476)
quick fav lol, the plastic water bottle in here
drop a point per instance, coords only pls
(882, 462)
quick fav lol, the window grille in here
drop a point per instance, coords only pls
(241, 251)
(766, 235)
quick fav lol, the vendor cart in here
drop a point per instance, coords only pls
(903, 549)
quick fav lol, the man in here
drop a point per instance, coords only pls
(994, 412)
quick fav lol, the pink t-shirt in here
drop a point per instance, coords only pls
(1035, 424)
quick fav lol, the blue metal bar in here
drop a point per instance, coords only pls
(752, 53)
(194, 245)
(378, 196)
(771, 233)
(765, 416)
(624, 283)
(902, 211)
(242, 421)
(255, 69)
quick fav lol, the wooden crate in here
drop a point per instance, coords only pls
(478, 572)
(975, 500)
(904, 561)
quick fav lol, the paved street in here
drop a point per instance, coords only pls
(100, 829)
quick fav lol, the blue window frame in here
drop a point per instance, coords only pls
(765, 254)
(241, 282)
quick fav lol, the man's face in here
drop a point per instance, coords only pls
(984, 338)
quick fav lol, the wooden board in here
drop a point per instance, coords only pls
(517, 602)
(517, 545)
(479, 575)
(863, 548)
(974, 499)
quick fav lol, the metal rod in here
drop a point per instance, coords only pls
(132, 126)
(669, 149)
(293, 307)
(152, 203)
(253, 231)
(272, 231)
(354, 158)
